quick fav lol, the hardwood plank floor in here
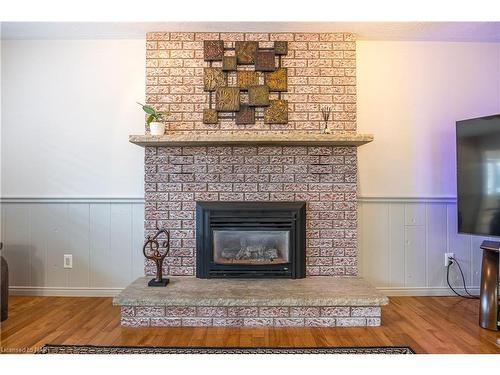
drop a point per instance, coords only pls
(427, 324)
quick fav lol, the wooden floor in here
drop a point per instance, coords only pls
(426, 324)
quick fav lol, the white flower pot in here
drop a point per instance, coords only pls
(157, 128)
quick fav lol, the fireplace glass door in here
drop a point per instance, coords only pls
(251, 247)
(250, 240)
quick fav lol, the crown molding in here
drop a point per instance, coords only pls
(390, 31)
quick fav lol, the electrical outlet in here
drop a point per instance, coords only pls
(447, 257)
(68, 261)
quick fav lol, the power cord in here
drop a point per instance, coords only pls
(468, 296)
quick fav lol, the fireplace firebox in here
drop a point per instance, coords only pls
(250, 240)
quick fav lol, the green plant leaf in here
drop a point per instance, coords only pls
(148, 109)
(150, 119)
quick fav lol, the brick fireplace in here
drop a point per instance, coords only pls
(323, 177)
(321, 71)
(258, 163)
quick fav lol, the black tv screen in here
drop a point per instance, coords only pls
(478, 175)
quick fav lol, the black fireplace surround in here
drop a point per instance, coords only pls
(250, 240)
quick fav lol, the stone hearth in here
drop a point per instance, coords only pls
(309, 302)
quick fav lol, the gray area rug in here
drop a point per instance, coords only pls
(90, 349)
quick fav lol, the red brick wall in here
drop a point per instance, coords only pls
(321, 71)
(324, 177)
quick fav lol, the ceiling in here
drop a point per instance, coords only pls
(410, 31)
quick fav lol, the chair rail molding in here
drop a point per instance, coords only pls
(55, 199)
(404, 199)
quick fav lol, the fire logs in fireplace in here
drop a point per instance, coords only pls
(250, 239)
(250, 247)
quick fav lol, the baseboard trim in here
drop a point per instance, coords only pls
(424, 291)
(112, 292)
(63, 292)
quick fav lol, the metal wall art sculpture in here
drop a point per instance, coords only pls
(227, 99)
(276, 112)
(213, 50)
(246, 115)
(235, 90)
(247, 78)
(277, 80)
(213, 79)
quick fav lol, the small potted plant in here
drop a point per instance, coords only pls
(155, 119)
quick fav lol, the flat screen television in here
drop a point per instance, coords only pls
(478, 175)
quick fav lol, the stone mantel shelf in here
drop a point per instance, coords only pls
(252, 138)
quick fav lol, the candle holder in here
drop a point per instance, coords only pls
(152, 251)
(325, 111)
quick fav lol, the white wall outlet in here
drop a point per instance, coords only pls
(447, 257)
(68, 260)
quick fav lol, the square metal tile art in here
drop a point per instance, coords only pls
(213, 78)
(277, 112)
(230, 84)
(247, 78)
(265, 61)
(229, 63)
(281, 48)
(227, 99)
(277, 80)
(246, 115)
(258, 96)
(246, 52)
(210, 116)
(213, 50)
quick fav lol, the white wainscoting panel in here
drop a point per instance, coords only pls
(402, 243)
(105, 238)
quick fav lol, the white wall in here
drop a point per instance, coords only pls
(75, 100)
(68, 108)
(409, 96)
